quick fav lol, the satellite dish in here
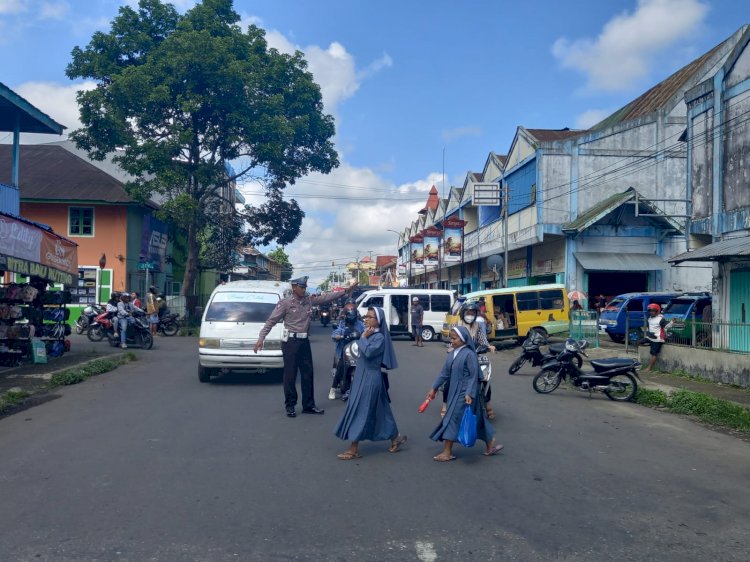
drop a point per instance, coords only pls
(495, 262)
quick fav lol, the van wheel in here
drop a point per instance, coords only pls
(427, 333)
(541, 331)
(617, 338)
(204, 373)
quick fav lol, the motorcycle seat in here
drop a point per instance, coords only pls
(611, 363)
(557, 348)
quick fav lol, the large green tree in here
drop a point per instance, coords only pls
(179, 97)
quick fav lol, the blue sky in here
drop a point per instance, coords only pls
(409, 81)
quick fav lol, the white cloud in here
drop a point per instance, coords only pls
(452, 134)
(339, 227)
(620, 55)
(12, 7)
(590, 117)
(53, 10)
(57, 101)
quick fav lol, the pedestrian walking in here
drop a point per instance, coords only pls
(461, 370)
(368, 415)
(417, 317)
(656, 335)
(295, 312)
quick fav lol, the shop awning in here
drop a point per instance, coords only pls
(604, 261)
(725, 250)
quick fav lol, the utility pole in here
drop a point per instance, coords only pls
(506, 198)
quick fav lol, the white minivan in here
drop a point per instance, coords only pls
(397, 306)
(231, 323)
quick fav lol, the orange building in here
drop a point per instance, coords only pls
(89, 205)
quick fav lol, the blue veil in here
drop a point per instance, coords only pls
(389, 354)
(464, 334)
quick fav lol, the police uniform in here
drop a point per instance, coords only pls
(295, 313)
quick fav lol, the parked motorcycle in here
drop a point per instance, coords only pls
(615, 377)
(532, 352)
(325, 317)
(87, 316)
(169, 324)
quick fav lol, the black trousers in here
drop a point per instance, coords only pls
(298, 357)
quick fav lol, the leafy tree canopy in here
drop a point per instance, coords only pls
(180, 96)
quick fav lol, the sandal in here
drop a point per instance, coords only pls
(348, 456)
(490, 414)
(495, 450)
(440, 458)
(397, 443)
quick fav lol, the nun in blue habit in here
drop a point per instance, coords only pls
(368, 413)
(461, 368)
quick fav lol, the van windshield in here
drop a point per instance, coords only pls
(241, 307)
(615, 304)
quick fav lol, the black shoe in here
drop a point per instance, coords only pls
(313, 410)
(345, 397)
(290, 413)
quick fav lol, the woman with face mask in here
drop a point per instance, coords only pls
(469, 314)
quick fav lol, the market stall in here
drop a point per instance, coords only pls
(33, 314)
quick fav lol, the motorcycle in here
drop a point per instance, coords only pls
(325, 317)
(485, 366)
(169, 324)
(348, 363)
(87, 317)
(100, 325)
(138, 333)
(615, 377)
(532, 352)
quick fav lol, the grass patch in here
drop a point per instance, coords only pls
(91, 369)
(705, 407)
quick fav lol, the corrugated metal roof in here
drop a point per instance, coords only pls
(722, 250)
(656, 97)
(32, 120)
(49, 172)
(606, 261)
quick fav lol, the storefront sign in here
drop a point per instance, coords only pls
(31, 269)
(154, 238)
(31, 250)
(516, 269)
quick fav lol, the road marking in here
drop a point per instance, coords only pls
(426, 551)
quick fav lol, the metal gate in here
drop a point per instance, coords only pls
(739, 311)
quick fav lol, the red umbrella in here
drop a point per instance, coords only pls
(577, 295)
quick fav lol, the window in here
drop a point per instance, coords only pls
(80, 221)
(528, 300)
(635, 305)
(374, 301)
(241, 307)
(551, 300)
(441, 303)
(424, 300)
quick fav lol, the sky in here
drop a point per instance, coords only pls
(421, 91)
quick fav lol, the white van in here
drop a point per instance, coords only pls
(397, 306)
(230, 326)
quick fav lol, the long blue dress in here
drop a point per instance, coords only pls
(368, 414)
(463, 372)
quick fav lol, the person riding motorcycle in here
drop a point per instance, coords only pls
(125, 311)
(469, 315)
(349, 326)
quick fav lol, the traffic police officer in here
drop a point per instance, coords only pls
(294, 311)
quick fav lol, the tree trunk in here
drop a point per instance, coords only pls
(191, 269)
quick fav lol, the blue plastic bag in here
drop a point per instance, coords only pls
(467, 431)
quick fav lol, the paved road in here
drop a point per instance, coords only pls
(146, 463)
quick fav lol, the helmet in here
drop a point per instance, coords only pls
(654, 306)
(350, 317)
(469, 306)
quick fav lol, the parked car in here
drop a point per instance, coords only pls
(630, 309)
(685, 310)
(230, 326)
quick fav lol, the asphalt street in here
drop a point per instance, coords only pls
(146, 463)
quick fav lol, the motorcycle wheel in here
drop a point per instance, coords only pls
(577, 360)
(170, 328)
(622, 388)
(546, 381)
(95, 333)
(81, 324)
(147, 340)
(516, 365)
